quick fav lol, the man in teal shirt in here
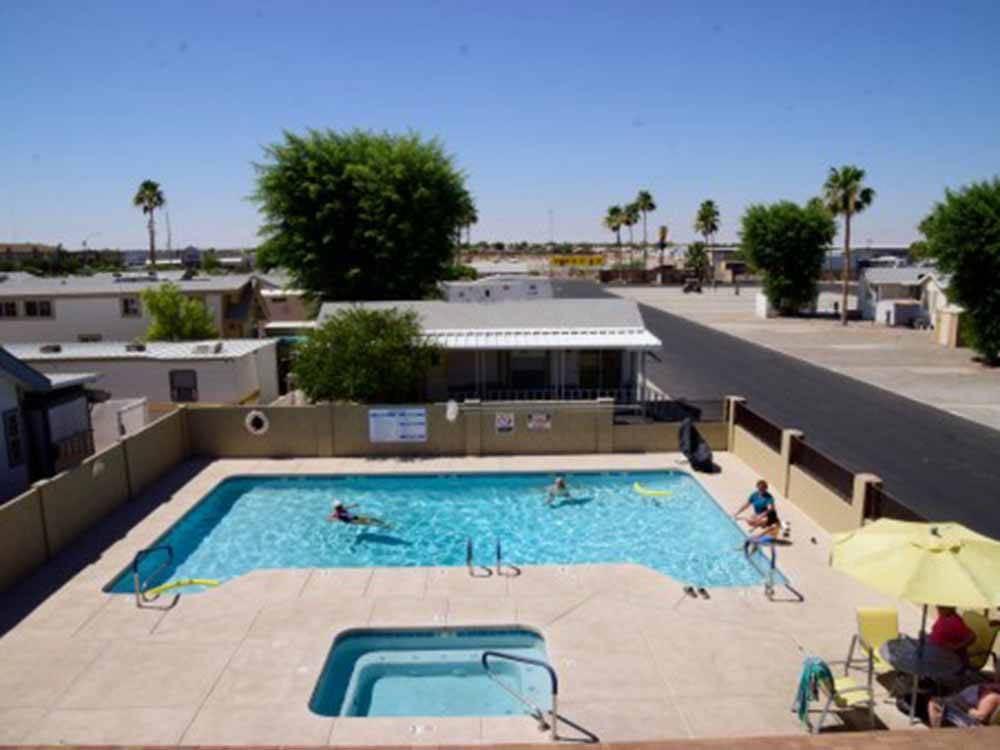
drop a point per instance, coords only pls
(764, 515)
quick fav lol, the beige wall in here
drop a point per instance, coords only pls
(821, 504)
(155, 450)
(77, 499)
(758, 456)
(576, 428)
(23, 547)
(294, 431)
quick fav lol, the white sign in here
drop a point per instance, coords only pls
(539, 422)
(397, 425)
(504, 422)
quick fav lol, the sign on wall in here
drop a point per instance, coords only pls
(504, 422)
(397, 425)
(540, 421)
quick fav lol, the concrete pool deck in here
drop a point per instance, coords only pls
(637, 659)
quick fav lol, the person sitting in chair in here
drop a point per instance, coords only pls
(950, 631)
(978, 702)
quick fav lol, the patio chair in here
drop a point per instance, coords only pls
(842, 692)
(876, 625)
(981, 650)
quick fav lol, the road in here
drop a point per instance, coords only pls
(942, 466)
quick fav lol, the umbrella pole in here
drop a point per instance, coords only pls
(920, 656)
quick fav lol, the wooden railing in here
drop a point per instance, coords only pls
(761, 428)
(72, 449)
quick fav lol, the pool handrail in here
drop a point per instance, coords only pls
(750, 549)
(515, 571)
(553, 679)
(139, 584)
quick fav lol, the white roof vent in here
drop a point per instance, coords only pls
(208, 348)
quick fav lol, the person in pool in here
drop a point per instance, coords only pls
(765, 519)
(557, 489)
(342, 513)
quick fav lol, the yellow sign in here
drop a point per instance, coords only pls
(576, 260)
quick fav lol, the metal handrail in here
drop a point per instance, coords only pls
(469, 562)
(139, 584)
(537, 712)
(750, 549)
(515, 571)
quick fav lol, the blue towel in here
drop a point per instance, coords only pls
(814, 672)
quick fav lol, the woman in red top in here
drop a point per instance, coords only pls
(951, 632)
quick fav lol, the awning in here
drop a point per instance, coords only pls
(542, 338)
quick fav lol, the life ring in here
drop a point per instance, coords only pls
(257, 423)
(650, 493)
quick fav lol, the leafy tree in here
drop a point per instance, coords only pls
(645, 204)
(845, 195)
(787, 243)
(706, 222)
(631, 218)
(149, 197)
(360, 215)
(176, 317)
(613, 220)
(919, 250)
(696, 261)
(469, 217)
(210, 262)
(364, 355)
(963, 236)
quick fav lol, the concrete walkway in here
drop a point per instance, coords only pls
(236, 665)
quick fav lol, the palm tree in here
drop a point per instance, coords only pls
(706, 223)
(644, 202)
(631, 219)
(149, 197)
(844, 194)
(613, 220)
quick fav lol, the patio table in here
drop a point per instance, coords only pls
(909, 655)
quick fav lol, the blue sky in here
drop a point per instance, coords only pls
(561, 107)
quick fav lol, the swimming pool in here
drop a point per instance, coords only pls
(432, 672)
(251, 523)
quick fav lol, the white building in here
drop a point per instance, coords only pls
(887, 287)
(108, 307)
(531, 349)
(498, 289)
(233, 371)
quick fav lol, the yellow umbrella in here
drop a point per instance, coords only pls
(924, 563)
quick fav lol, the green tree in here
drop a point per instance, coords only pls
(963, 236)
(696, 261)
(613, 220)
(469, 217)
(176, 317)
(631, 218)
(787, 243)
(360, 215)
(364, 355)
(210, 262)
(149, 197)
(645, 204)
(845, 194)
(706, 222)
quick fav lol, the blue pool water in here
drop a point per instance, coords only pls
(251, 523)
(435, 672)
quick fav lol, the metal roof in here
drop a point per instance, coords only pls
(107, 284)
(165, 350)
(906, 276)
(524, 324)
(33, 380)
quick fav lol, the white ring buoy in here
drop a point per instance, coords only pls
(257, 423)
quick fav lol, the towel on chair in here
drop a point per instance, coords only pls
(814, 672)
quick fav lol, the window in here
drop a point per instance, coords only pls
(12, 433)
(38, 308)
(8, 310)
(183, 385)
(130, 307)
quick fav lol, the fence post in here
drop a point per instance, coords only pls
(605, 416)
(730, 415)
(858, 497)
(786, 456)
(472, 414)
